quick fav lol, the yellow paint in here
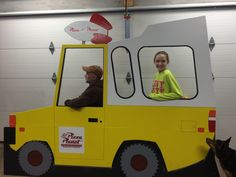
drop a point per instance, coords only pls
(173, 129)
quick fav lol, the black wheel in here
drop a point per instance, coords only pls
(139, 160)
(35, 158)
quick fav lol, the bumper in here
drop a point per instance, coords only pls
(9, 135)
(11, 166)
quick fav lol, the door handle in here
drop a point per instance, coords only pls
(92, 119)
(54, 78)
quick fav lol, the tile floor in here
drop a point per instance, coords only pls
(1, 165)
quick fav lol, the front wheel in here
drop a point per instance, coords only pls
(35, 158)
(140, 160)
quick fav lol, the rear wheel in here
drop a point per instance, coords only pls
(35, 158)
(140, 160)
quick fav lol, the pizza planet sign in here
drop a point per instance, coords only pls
(84, 30)
(95, 30)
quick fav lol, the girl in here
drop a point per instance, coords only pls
(165, 86)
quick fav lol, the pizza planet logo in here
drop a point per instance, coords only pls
(83, 30)
(71, 139)
(88, 29)
(96, 30)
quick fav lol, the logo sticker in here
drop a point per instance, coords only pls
(95, 30)
(71, 139)
(83, 30)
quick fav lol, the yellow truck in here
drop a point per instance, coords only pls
(131, 133)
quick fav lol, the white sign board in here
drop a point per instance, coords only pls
(84, 30)
(71, 139)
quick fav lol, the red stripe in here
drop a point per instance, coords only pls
(21, 129)
(12, 120)
(200, 130)
(71, 145)
(212, 126)
(212, 113)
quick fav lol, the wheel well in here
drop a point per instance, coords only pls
(150, 143)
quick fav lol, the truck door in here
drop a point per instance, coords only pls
(79, 132)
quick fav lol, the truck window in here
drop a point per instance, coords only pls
(73, 82)
(123, 72)
(180, 63)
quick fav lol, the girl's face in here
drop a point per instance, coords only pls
(161, 62)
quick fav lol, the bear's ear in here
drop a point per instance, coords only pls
(211, 143)
(225, 144)
(228, 141)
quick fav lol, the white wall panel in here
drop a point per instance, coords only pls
(225, 96)
(223, 59)
(38, 32)
(226, 128)
(34, 32)
(4, 121)
(221, 23)
(24, 94)
(28, 63)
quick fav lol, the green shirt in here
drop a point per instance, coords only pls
(165, 87)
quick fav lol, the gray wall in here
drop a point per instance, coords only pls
(35, 5)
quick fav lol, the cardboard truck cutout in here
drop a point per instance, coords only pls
(131, 133)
